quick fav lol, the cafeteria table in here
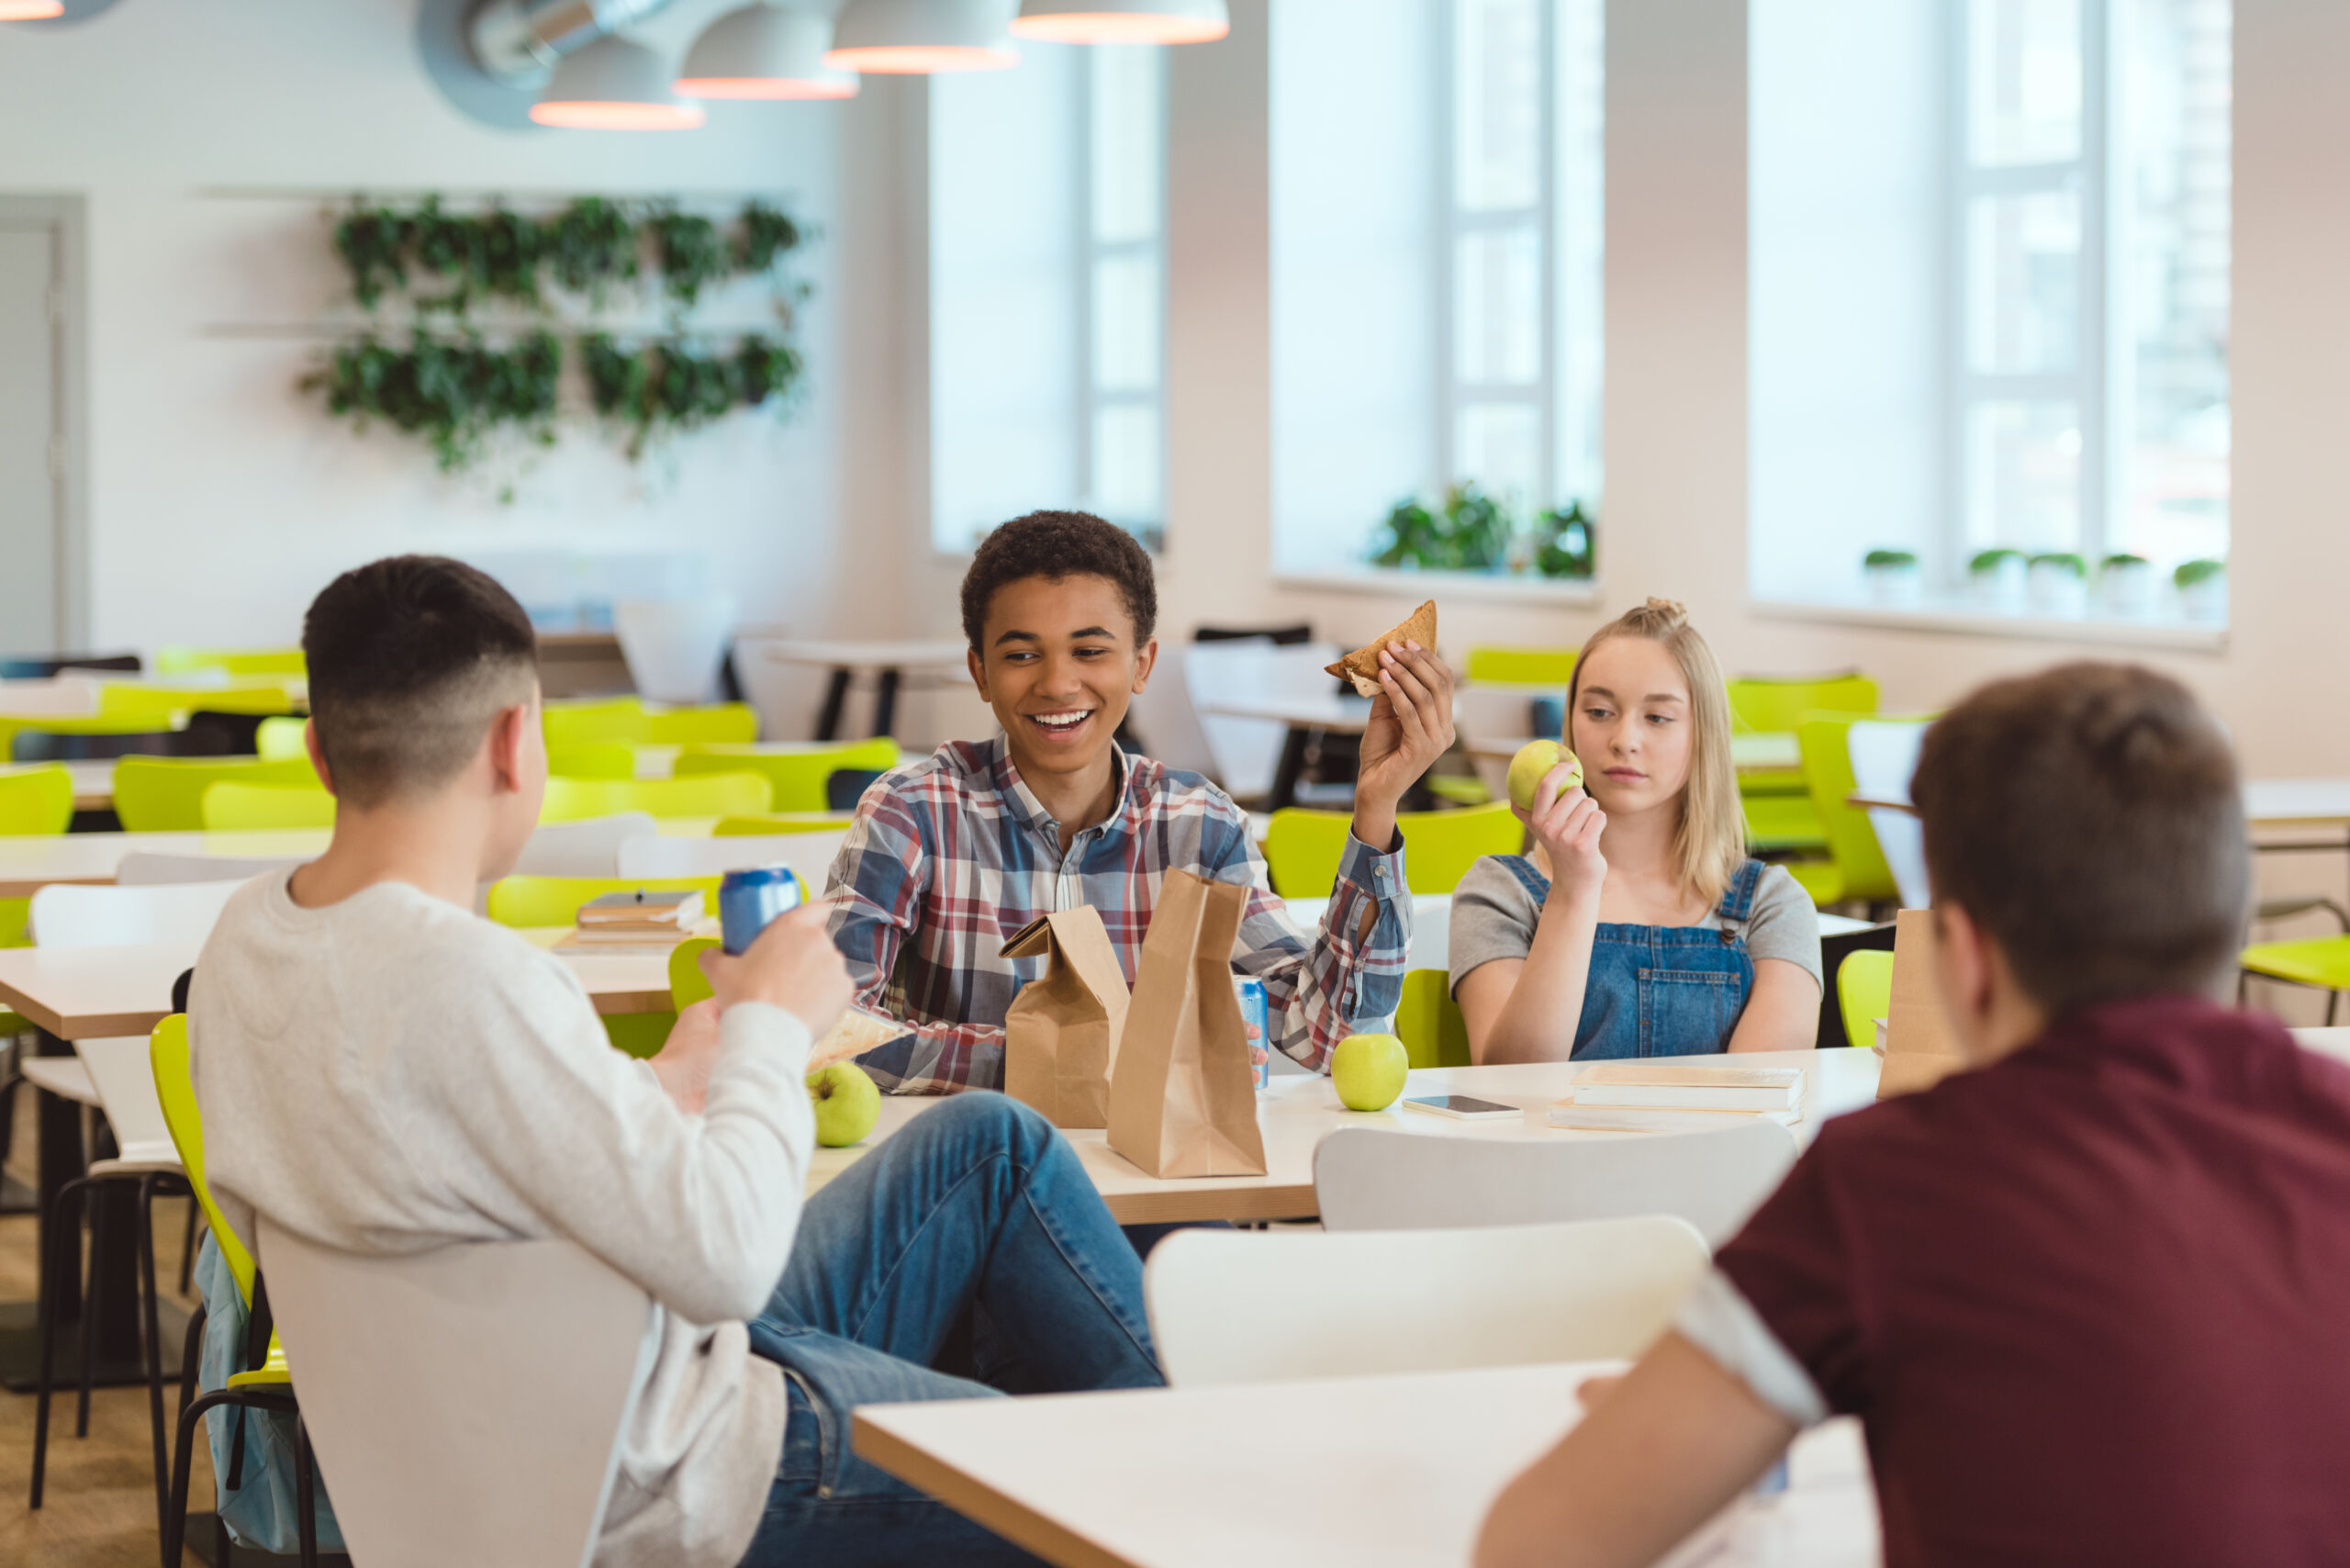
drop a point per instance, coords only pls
(843, 657)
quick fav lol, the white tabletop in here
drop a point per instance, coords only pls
(851, 654)
(2285, 802)
(1340, 715)
(1752, 751)
(31, 862)
(1364, 1472)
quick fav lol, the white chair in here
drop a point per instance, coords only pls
(1368, 1180)
(1279, 1305)
(1885, 755)
(466, 1401)
(1247, 751)
(674, 647)
(144, 871)
(589, 847)
(810, 854)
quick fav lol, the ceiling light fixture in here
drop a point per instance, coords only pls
(613, 84)
(30, 10)
(1123, 22)
(764, 51)
(915, 38)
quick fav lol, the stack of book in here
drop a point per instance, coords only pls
(1641, 1097)
(634, 925)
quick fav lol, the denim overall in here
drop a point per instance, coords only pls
(1662, 991)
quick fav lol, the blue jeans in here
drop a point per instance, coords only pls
(973, 1235)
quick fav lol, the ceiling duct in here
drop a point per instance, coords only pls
(519, 42)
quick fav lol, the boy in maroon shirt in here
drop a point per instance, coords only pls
(2091, 1300)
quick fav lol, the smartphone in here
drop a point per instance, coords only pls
(1462, 1107)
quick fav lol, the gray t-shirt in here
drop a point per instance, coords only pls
(1495, 907)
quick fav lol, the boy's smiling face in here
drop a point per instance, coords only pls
(1057, 663)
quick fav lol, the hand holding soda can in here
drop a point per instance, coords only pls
(747, 901)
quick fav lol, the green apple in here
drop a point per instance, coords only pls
(1368, 1072)
(1534, 759)
(846, 1103)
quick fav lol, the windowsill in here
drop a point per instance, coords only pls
(1968, 620)
(1408, 582)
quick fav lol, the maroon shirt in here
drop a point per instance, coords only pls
(2092, 1302)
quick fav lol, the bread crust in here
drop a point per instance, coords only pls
(1361, 666)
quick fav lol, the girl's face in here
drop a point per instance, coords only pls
(1631, 726)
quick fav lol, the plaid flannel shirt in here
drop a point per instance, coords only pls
(947, 858)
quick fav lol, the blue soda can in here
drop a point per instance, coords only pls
(748, 899)
(1253, 1011)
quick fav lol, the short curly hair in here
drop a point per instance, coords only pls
(1058, 544)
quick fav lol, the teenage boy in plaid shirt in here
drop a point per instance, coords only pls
(948, 857)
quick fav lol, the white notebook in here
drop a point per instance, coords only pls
(1678, 1088)
(1656, 1119)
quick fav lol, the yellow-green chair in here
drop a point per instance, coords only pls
(1774, 706)
(1303, 848)
(2323, 962)
(688, 984)
(1779, 824)
(798, 776)
(165, 794)
(1864, 993)
(1861, 870)
(158, 704)
(282, 739)
(34, 801)
(592, 759)
(555, 901)
(1429, 1020)
(269, 1386)
(180, 660)
(759, 827)
(709, 795)
(248, 808)
(628, 719)
(1522, 667)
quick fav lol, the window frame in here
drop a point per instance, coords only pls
(1092, 396)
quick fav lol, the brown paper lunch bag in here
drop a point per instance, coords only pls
(1919, 1051)
(1182, 1096)
(1060, 1033)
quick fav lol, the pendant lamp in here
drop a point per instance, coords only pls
(613, 84)
(30, 10)
(915, 38)
(764, 51)
(1123, 22)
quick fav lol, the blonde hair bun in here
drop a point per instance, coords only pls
(1656, 618)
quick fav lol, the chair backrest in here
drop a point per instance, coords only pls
(145, 871)
(688, 984)
(1247, 750)
(1773, 705)
(555, 901)
(1828, 777)
(245, 808)
(176, 1091)
(71, 914)
(723, 723)
(595, 718)
(810, 854)
(1523, 666)
(162, 701)
(592, 759)
(121, 1071)
(36, 800)
(1429, 1020)
(673, 646)
(1303, 848)
(1240, 1306)
(1864, 993)
(774, 822)
(174, 658)
(1884, 755)
(797, 776)
(1369, 1179)
(470, 1395)
(279, 738)
(589, 847)
(159, 794)
(706, 795)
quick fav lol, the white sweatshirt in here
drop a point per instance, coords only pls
(391, 1073)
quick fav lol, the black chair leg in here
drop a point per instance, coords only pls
(2333, 1002)
(182, 1461)
(187, 1246)
(191, 1357)
(51, 1311)
(154, 1343)
(97, 1212)
(306, 1511)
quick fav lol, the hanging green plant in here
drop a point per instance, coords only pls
(510, 244)
(770, 369)
(591, 247)
(455, 393)
(762, 236)
(692, 254)
(373, 242)
(1564, 546)
(453, 248)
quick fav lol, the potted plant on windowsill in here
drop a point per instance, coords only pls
(2059, 585)
(2125, 584)
(1892, 577)
(1996, 577)
(2202, 589)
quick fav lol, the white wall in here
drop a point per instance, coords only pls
(222, 499)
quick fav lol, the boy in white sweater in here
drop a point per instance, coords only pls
(382, 1071)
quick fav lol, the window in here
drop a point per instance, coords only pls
(1048, 208)
(2000, 320)
(1437, 188)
